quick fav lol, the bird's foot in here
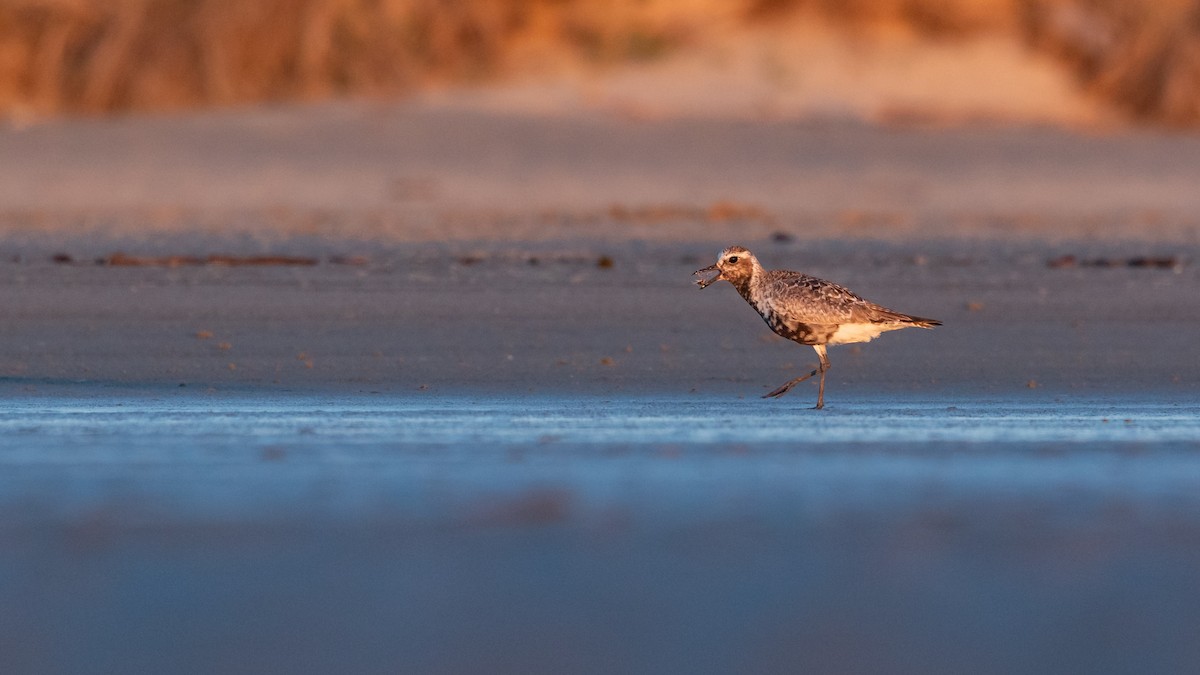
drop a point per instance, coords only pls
(788, 386)
(779, 392)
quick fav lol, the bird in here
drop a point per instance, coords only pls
(805, 309)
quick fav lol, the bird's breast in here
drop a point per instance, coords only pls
(798, 331)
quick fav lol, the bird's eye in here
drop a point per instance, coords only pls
(733, 259)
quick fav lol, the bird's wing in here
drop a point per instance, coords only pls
(817, 301)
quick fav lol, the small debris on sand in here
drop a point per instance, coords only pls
(538, 506)
(355, 260)
(124, 260)
(1162, 263)
(1154, 262)
(261, 260)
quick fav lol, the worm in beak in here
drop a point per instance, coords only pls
(703, 283)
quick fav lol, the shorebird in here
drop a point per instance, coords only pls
(806, 310)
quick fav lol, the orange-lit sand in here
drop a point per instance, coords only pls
(412, 172)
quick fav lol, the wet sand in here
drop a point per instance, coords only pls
(532, 445)
(596, 317)
(545, 533)
(449, 459)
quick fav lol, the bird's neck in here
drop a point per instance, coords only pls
(748, 286)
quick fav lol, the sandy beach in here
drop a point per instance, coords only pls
(446, 169)
(428, 387)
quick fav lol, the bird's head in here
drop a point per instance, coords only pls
(735, 265)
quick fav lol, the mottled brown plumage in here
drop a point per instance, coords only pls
(806, 309)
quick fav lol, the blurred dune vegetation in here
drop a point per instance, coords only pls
(100, 56)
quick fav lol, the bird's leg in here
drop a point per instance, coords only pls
(823, 367)
(819, 371)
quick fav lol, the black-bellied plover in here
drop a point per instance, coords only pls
(806, 309)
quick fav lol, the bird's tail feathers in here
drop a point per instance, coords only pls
(888, 316)
(921, 322)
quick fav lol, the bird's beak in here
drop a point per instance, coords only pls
(703, 283)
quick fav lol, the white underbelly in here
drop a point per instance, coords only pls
(858, 332)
